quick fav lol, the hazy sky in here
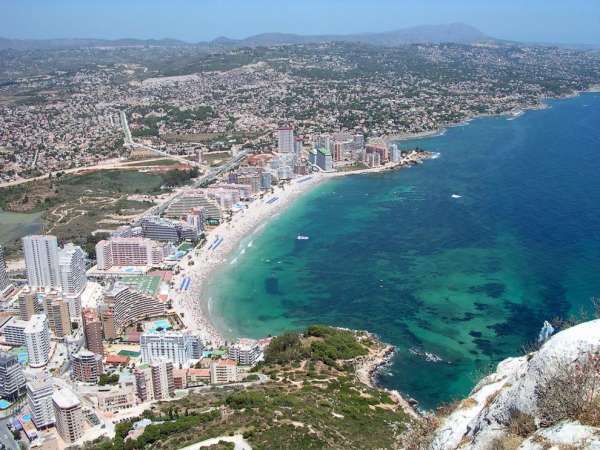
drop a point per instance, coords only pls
(570, 21)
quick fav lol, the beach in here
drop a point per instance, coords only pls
(221, 241)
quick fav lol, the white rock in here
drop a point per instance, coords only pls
(564, 434)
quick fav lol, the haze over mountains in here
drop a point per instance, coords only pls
(455, 32)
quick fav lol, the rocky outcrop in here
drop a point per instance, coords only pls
(483, 417)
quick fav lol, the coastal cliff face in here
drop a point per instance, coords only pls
(525, 404)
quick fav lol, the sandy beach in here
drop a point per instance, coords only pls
(221, 241)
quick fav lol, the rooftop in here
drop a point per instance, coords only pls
(65, 398)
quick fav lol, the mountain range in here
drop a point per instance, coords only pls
(455, 33)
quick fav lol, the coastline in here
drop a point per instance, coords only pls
(193, 304)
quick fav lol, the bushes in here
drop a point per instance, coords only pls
(246, 399)
(284, 349)
(571, 392)
(336, 344)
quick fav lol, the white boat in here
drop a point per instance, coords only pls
(456, 196)
(302, 238)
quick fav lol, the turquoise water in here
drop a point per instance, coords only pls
(470, 279)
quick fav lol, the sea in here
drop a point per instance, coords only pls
(457, 262)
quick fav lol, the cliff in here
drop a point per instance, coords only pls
(546, 399)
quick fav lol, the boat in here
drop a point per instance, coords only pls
(456, 196)
(302, 238)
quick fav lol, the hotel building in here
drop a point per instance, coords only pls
(129, 306)
(163, 384)
(174, 346)
(128, 252)
(12, 380)
(4, 281)
(39, 400)
(71, 268)
(285, 138)
(92, 330)
(86, 366)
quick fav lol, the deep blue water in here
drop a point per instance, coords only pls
(470, 279)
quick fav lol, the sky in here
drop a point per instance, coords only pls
(564, 21)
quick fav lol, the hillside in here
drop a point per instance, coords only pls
(313, 400)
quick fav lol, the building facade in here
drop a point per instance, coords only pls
(4, 281)
(285, 140)
(41, 261)
(71, 268)
(128, 252)
(86, 366)
(12, 380)
(174, 346)
(69, 416)
(163, 384)
(92, 330)
(39, 400)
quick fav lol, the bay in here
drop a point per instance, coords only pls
(463, 257)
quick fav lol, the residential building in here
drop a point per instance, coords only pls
(245, 352)
(162, 379)
(115, 399)
(39, 400)
(324, 159)
(4, 281)
(86, 366)
(129, 306)
(28, 304)
(194, 199)
(37, 340)
(143, 383)
(69, 416)
(71, 268)
(395, 153)
(174, 346)
(14, 331)
(12, 380)
(223, 371)
(41, 261)
(197, 377)
(285, 138)
(92, 330)
(57, 311)
(128, 252)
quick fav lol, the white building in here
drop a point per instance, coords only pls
(68, 413)
(245, 352)
(37, 340)
(39, 400)
(285, 137)
(395, 153)
(174, 346)
(4, 282)
(223, 371)
(12, 380)
(41, 261)
(71, 268)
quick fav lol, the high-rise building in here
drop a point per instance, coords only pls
(128, 252)
(37, 340)
(39, 400)
(86, 366)
(143, 383)
(162, 379)
(28, 304)
(298, 144)
(68, 413)
(324, 159)
(4, 281)
(395, 153)
(12, 380)
(41, 261)
(285, 137)
(71, 267)
(59, 318)
(174, 346)
(92, 330)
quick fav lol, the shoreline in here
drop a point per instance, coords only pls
(193, 304)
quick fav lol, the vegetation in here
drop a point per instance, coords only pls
(108, 379)
(319, 343)
(308, 405)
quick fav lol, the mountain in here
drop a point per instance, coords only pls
(455, 32)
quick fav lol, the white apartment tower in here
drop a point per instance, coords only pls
(69, 417)
(4, 282)
(41, 261)
(71, 268)
(286, 141)
(37, 340)
(39, 400)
